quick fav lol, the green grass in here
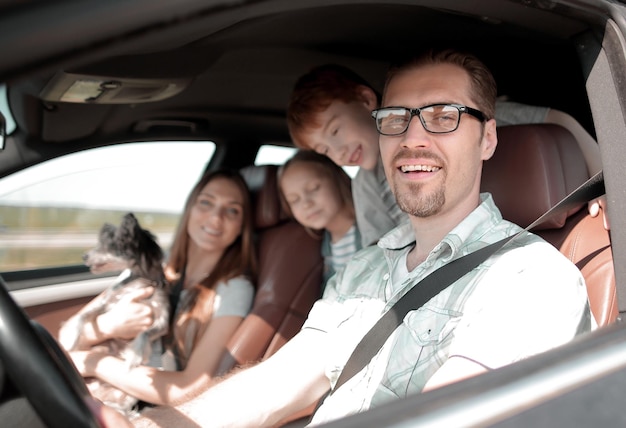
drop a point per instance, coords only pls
(75, 220)
(64, 234)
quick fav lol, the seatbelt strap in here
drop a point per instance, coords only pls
(441, 278)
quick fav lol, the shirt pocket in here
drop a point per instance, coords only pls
(419, 350)
(429, 326)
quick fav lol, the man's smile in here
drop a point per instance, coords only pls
(423, 168)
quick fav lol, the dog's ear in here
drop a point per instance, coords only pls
(128, 234)
(106, 235)
(139, 244)
(132, 235)
(107, 229)
(151, 250)
(129, 222)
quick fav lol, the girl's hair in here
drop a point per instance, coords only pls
(314, 92)
(483, 89)
(325, 168)
(238, 259)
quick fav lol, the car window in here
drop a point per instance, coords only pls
(278, 155)
(50, 214)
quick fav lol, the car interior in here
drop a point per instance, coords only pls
(84, 75)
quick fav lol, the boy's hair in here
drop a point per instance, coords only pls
(314, 92)
(483, 89)
(326, 167)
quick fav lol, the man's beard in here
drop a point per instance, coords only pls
(415, 202)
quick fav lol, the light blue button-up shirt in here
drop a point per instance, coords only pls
(525, 299)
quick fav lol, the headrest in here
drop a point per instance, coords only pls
(262, 182)
(533, 168)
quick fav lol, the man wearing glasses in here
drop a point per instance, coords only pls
(436, 128)
(329, 112)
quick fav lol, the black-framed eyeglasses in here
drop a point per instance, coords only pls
(436, 118)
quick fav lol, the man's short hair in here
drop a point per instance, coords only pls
(483, 89)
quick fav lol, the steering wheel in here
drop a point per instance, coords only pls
(41, 370)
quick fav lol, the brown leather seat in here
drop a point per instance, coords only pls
(290, 275)
(533, 168)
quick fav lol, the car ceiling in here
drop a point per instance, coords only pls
(243, 60)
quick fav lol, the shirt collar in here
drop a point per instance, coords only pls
(458, 241)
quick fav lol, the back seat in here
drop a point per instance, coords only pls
(290, 275)
(533, 168)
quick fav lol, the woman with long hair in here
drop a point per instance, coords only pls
(211, 267)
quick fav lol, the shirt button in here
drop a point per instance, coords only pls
(385, 277)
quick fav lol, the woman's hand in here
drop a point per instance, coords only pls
(129, 317)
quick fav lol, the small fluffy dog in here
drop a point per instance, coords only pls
(134, 250)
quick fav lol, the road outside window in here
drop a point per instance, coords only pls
(50, 213)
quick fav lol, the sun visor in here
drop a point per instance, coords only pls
(89, 89)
